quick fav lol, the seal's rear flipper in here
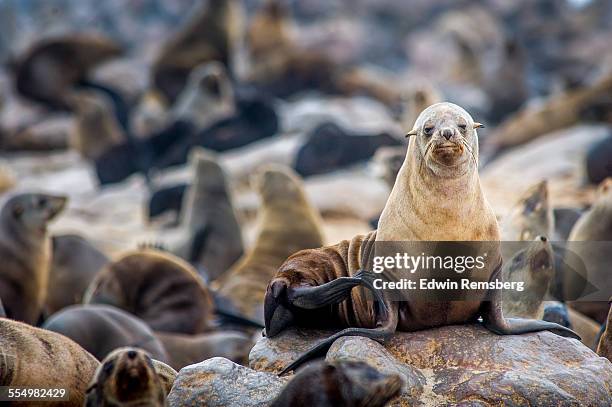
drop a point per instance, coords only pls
(517, 326)
(384, 330)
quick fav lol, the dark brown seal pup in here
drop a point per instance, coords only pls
(214, 237)
(287, 223)
(209, 35)
(48, 70)
(184, 350)
(100, 329)
(25, 252)
(74, 264)
(126, 377)
(346, 383)
(33, 357)
(436, 197)
(604, 348)
(157, 287)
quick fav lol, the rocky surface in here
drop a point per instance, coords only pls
(221, 382)
(466, 365)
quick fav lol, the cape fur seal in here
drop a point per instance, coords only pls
(96, 128)
(74, 264)
(100, 329)
(437, 197)
(604, 348)
(531, 216)
(25, 252)
(184, 350)
(287, 223)
(126, 377)
(329, 147)
(214, 236)
(534, 267)
(157, 287)
(51, 68)
(595, 225)
(33, 357)
(346, 383)
(211, 34)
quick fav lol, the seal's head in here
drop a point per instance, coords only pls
(276, 183)
(127, 375)
(445, 140)
(33, 211)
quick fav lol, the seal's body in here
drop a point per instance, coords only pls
(437, 197)
(126, 377)
(74, 264)
(100, 329)
(33, 357)
(25, 253)
(287, 223)
(604, 348)
(157, 287)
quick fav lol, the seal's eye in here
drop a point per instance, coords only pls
(462, 126)
(428, 130)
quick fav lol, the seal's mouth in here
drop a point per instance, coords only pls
(447, 153)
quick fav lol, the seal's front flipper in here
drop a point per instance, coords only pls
(333, 292)
(384, 329)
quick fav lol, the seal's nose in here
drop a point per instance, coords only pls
(131, 354)
(447, 133)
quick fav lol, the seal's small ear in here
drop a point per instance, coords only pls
(412, 132)
(478, 125)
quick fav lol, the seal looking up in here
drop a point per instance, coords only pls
(437, 197)
(25, 252)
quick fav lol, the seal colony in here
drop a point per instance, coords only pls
(439, 183)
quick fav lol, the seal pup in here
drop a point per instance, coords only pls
(534, 267)
(74, 264)
(437, 197)
(214, 239)
(604, 348)
(48, 70)
(595, 225)
(211, 34)
(343, 383)
(100, 329)
(96, 129)
(126, 377)
(33, 357)
(287, 223)
(157, 287)
(531, 216)
(184, 350)
(25, 252)
(329, 147)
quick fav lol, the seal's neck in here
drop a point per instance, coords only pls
(424, 206)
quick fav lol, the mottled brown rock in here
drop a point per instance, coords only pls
(466, 365)
(221, 382)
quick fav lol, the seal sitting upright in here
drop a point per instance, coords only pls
(436, 197)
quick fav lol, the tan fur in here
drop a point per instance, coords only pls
(584, 326)
(531, 216)
(558, 112)
(184, 350)
(126, 377)
(269, 31)
(415, 100)
(7, 178)
(25, 253)
(33, 357)
(157, 287)
(604, 348)
(210, 35)
(287, 223)
(96, 129)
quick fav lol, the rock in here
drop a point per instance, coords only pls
(465, 364)
(221, 382)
